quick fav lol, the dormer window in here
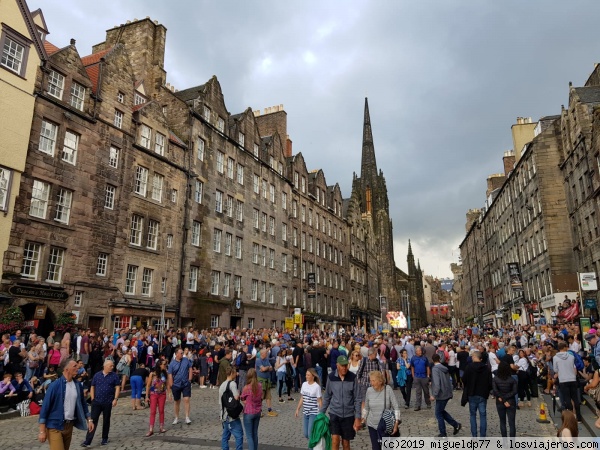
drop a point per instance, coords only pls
(138, 99)
(120, 97)
(56, 84)
(77, 96)
(220, 125)
(206, 113)
(241, 138)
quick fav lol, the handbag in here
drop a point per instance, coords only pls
(388, 417)
(594, 393)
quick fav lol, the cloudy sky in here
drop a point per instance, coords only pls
(445, 80)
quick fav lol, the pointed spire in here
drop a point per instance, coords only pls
(367, 133)
(409, 248)
(368, 171)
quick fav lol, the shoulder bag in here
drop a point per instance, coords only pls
(388, 417)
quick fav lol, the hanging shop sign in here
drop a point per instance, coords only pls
(587, 281)
(514, 274)
(38, 292)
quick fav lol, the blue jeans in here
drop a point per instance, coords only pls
(442, 416)
(307, 422)
(319, 370)
(232, 427)
(136, 386)
(516, 378)
(251, 428)
(476, 402)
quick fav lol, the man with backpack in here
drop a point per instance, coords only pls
(563, 364)
(229, 402)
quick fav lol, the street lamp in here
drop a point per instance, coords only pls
(480, 303)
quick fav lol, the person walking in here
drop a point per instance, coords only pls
(478, 384)
(565, 372)
(379, 397)
(345, 406)
(252, 399)
(310, 401)
(231, 426)
(504, 389)
(156, 391)
(64, 407)
(263, 370)
(441, 392)
(404, 377)
(180, 384)
(420, 371)
(104, 393)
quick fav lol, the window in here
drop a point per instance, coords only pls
(14, 54)
(271, 258)
(214, 321)
(220, 159)
(5, 177)
(206, 113)
(77, 96)
(157, 186)
(237, 285)
(303, 186)
(174, 195)
(264, 256)
(193, 281)
(39, 199)
(254, 294)
(239, 211)
(198, 191)
(196, 228)
(152, 234)
(240, 174)
(230, 164)
(284, 200)
(113, 157)
(241, 138)
(284, 232)
(271, 293)
(217, 240)
(263, 222)
(55, 265)
(303, 213)
(137, 224)
(226, 284)
(263, 291)
(283, 262)
(296, 177)
(31, 260)
(78, 300)
(145, 136)
(130, 279)
(264, 188)
(63, 205)
(250, 323)
(229, 206)
(163, 285)
(169, 240)
(294, 208)
(220, 125)
(295, 237)
(215, 278)
(109, 196)
(256, 184)
(219, 201)
(147, 275)
(56, 84)
(238, 247)
(272, 226)
(159, 144)
(141, 181)
(102, 264)
(272, 193)
(255, 217)
(48, 137)
(284, 296)
(228, 238)
(118, 119)
(69, 153)
(120, 97)
(255, 150)
(200, 152)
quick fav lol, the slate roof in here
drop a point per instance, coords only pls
(190, 94)
(589, 94)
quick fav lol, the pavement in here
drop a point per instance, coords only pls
(283, 432)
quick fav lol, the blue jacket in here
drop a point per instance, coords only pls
(53, 409)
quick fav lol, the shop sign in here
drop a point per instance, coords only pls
(298, 319)
(590, 303)
(40, 312)
(38, 292)
(289, 323)
(312, 285)
(32, 323)
(499, 314)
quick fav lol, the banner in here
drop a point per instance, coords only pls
(289, 323)
(514, 274)
(396, 319)
(444, 310)
(434, 309)
(312, 285)
(569, 310)
(587, 281)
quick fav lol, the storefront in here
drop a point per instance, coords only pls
(127, 316)
(551, 302)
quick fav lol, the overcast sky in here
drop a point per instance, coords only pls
(445, 80)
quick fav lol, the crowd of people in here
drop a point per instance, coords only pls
(351, 374)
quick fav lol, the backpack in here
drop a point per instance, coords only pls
(442, 356)
(578, 361)
(386, 352)
(233, 407)
(121, 365)
(238, 360)
(594, 362)
(394, 354)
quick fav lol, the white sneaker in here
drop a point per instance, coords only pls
(176, 421)
(188, 420)
(203, 387)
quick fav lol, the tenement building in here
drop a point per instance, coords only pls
(138, 201)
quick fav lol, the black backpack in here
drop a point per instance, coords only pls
(234, 407)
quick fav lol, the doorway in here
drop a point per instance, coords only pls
(235, 322)
(95, 323)
(45, 325)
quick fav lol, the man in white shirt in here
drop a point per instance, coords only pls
(574, 344)
(190, 338)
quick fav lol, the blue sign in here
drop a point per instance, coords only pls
(589, 303)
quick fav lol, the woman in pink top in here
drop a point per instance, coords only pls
(252, 399)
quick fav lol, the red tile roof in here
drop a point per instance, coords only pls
(94, 58)
(93, 72)
(136, 107)
(176, 140)
(50, 48)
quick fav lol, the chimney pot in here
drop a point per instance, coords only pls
(72, 41)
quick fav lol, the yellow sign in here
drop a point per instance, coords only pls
(298, 318)
(516, 316)
(289, 323)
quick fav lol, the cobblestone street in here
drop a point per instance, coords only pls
(283, 432)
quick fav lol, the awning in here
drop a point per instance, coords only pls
(134, 311)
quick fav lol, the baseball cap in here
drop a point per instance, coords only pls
(342, 360)
(589, 336)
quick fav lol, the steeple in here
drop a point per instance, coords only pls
(368, 172)
(410, 259)
(409, 249)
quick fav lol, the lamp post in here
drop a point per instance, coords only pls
(480, 303)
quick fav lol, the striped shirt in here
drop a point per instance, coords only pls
(310, 395)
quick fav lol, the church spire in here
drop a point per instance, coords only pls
(369, 164)
(409, 249)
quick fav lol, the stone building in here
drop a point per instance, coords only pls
(138, 200)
